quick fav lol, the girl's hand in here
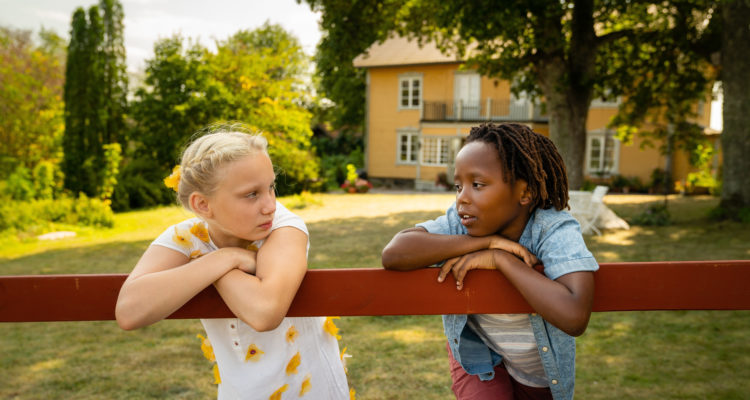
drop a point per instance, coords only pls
(500, 243)
(244, 260)
(460, 266)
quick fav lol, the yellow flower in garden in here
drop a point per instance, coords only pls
(291, 368)
(182, 237)
(331, 328)
(217, 378)
(352, 394)
(200, 231)
(195, 254)
(306, 385)
(173, 180)
(208, 350)
(253, 353)
(277, 394)
(291, 334)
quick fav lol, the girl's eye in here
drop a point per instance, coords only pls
(457, 187)
(252, 195)
(477, 184)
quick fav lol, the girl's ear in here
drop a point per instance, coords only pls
(199, 204)
(526, 194)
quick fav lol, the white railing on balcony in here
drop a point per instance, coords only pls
(488, 110)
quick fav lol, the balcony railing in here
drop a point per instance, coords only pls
(487, 110)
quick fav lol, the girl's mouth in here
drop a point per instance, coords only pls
(468, 220)
(266, 226)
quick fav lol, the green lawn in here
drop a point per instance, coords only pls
(638, 355)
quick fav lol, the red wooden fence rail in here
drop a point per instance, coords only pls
(634, 286)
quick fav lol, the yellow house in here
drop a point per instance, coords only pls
(421, 104)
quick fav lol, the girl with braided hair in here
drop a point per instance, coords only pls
(511, 192)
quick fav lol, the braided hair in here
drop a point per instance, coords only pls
(529, 156)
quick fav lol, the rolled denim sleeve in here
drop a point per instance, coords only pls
(562, 250)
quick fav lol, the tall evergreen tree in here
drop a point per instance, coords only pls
(115, 77)
(74, 95)
(95, 90)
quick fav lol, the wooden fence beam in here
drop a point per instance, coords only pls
(634, 286)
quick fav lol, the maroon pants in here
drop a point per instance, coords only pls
(501, 387)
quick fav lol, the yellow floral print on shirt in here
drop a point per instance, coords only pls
(331, 328)
(217, 377)
(253, 353)
(199, 230)
(252, 247)
(182, 237)
(306, 385)
(207, 348)
(277, 394)
(291, 334)
(291, 368)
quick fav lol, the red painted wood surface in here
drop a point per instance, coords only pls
(685, 285)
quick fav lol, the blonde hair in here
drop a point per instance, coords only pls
(207, 154)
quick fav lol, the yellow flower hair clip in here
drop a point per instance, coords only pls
(173, 180)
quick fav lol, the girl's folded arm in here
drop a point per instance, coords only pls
(565, 302)
(416, 248)
(163, 280)
(263, 300)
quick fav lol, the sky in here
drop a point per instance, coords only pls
(149, 20)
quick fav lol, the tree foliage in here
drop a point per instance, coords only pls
(261, 73)
(253, 80)
(95, 90)
(558, 50)
(31, 106)
(663, 77)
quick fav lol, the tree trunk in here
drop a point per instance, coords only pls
(735, 139)
(568, 110)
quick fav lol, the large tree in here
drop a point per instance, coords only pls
(554, 49)
(735, 139)
(31, 106)
(262, 73)
(114, 70)
(95, 94)
(84, 116)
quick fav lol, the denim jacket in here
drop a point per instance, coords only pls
(555, 238)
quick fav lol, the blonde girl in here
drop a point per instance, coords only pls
(254, 251)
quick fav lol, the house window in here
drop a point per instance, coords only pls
(602, 153)
(408, 145)
(410, 92)
(435, 151)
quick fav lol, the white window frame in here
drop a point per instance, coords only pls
(412, 139)
(602, 135)
(410, 78)
(442, 146)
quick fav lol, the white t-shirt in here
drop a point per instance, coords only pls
(297, 359)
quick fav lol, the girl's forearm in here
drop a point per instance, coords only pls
(416, 248)
(565, 303)
(154, 296)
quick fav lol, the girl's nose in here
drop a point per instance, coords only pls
(269, 204)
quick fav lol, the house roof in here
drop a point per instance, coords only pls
(402, 51)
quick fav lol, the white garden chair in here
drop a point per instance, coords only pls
(587, 210)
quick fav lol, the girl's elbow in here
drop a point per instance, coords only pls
(578, 327)
(264, 319)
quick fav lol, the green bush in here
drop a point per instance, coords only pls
(38, 215)
(19, 185)
(141, 185)
(655, 215)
